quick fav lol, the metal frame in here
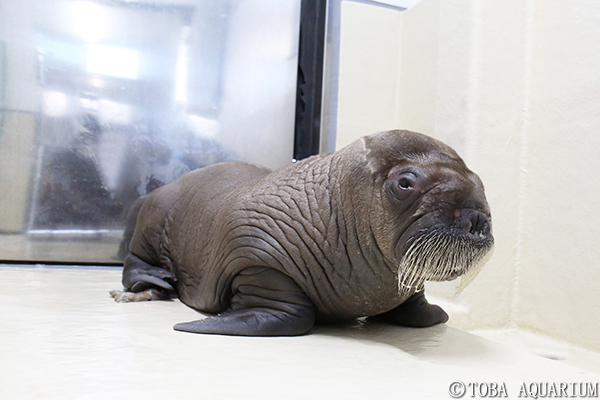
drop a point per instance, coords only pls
(309, 92)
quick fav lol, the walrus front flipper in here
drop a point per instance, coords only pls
(415, 312)
(265, 302)
(253, 322)
(138, 275)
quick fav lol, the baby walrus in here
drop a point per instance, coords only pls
(354, 233)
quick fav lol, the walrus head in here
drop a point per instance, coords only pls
(433, 221)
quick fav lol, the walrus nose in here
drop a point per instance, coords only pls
(472, 221)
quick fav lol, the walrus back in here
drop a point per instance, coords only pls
(189, 202)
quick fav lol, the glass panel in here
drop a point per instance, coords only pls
(103, 101)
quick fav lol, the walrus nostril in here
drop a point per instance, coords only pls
(474, 222)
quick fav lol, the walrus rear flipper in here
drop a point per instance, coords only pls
(265, 302)
(415, 312)
(138, 275)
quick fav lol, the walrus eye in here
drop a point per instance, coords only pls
(405, 184)
(407, 181)
(402, 185)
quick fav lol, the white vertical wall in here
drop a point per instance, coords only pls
(514, 87)
(369, 71)
(560, 270)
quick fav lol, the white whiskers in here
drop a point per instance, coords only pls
(437, 255)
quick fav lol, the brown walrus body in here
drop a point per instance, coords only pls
(336, 236)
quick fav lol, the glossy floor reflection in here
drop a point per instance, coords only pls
(63, 337)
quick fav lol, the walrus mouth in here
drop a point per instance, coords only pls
(442, 255)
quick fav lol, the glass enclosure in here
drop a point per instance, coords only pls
(103, 101)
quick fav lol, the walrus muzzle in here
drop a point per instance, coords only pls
(444, 252)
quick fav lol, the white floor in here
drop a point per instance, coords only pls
(63, 337)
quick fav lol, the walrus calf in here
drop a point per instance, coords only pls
(333, 237)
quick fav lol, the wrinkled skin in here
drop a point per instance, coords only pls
(271, 252)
